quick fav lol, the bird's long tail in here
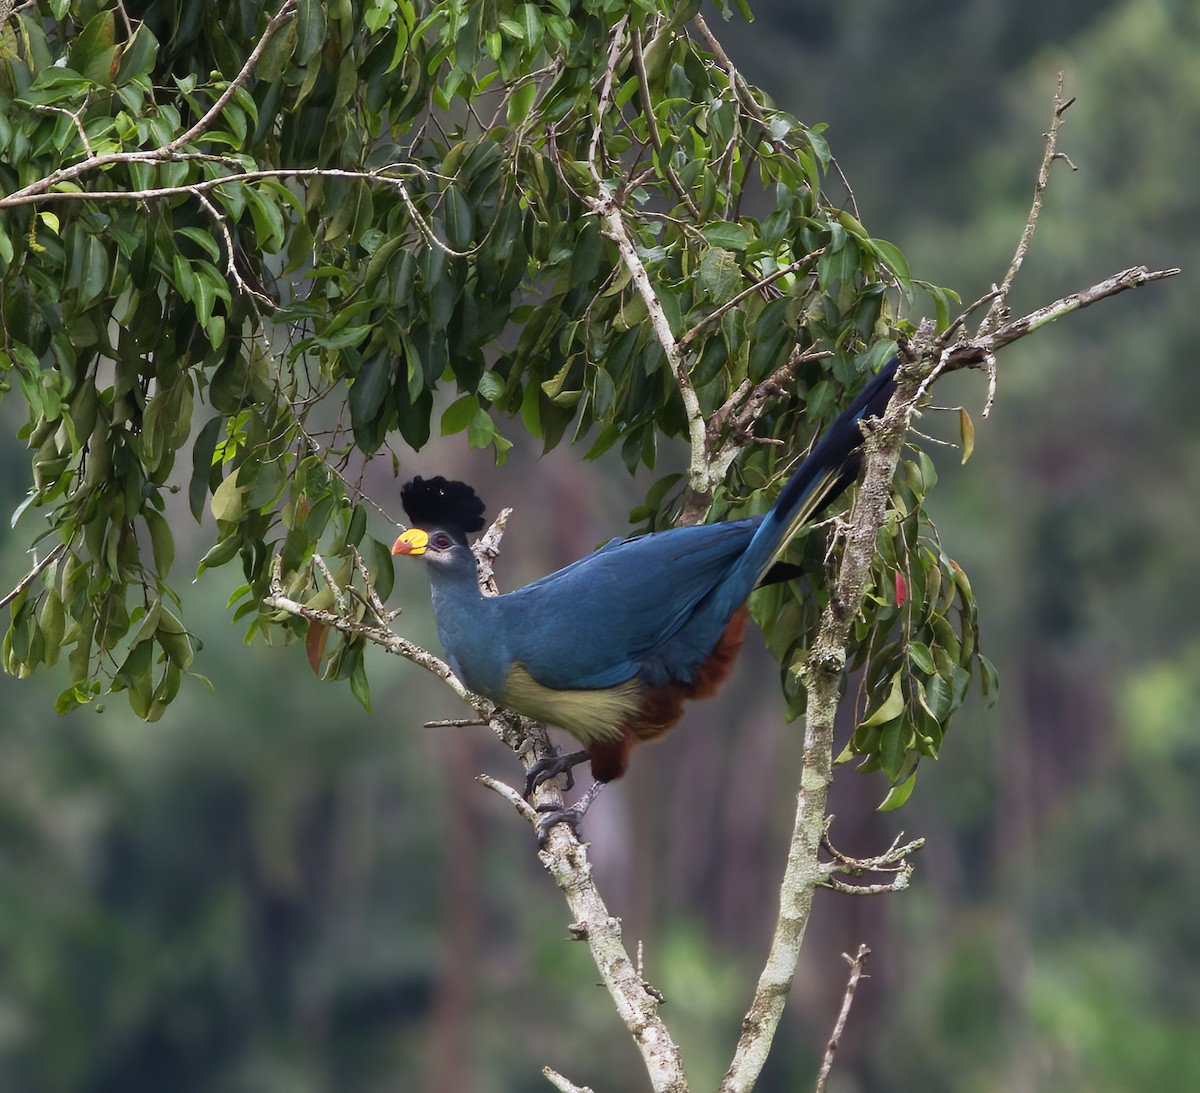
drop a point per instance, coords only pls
(825, 473)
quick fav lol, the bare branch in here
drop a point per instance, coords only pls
(856, 962)
(973, 351)
(614, 53)
(996, 311)
(487, 549)
(562, 1084)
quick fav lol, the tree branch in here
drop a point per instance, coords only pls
(822, 673)
(564, 856)
(664, 161)
(168, 150)
(699, 479)
(38, 568)
(1039, 189)
(857, 963)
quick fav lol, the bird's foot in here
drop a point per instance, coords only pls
(552, 766)
(553, 814)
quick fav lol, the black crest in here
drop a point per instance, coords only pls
(438, 502)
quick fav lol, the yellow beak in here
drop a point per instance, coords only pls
(414, 541)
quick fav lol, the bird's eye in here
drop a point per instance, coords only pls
(440, 541)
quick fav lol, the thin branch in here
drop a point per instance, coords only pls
(166, 151)
(857, 963)
(486, 550)
(1039, 189)
(968, 352)
(564, 1085)
(732, 302)
(33, 574)
(699, 477)
(285, 13)
(614, 54)
(231, 269)
(639, 63)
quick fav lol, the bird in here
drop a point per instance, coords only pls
(609, 647)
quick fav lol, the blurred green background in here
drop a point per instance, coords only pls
(272, 891)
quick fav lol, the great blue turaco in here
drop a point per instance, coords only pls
(609, 647)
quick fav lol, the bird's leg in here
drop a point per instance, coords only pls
(552, 814)
(552, 766)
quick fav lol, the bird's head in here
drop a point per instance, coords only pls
(442, 513)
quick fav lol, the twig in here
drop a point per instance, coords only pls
(487, 549)
(1039, 189)
(639, 62)
(856, 962)
(282, 16)
(384, 616)
(166, 151)
(565, 1085)
(606, 82)
(38, 568)
(972, 351)
(716, 313)
(699, 472)
(235, 275)
(893, 860)
(526, 811)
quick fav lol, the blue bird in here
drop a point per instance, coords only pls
(609, 647)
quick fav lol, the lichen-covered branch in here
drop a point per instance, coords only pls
(823, 671)
(826, 663)
(564, 856)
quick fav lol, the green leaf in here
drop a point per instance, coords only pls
(367, 393)
(919, 654)
(162, 542)
(892, 739)
(966, 432)
(897, 795)
(727, 235)
(93, 53)
(521, 101)
(893, 257)
(202, 457)
(719, 274)
(226, 501)
(891, 707)
(460, 222)
(459, 414)
(482, 430)
(310, 30)
(990, 680)
(359, 686)
(491, 386)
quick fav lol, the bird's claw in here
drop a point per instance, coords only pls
(553, 814)
(558, 814)
(550, 767)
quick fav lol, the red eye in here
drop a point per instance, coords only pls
(441, 541)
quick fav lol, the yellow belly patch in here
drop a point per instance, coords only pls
(589, 715)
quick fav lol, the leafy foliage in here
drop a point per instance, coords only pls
(277, 259)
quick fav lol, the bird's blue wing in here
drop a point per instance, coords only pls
(590, 624)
